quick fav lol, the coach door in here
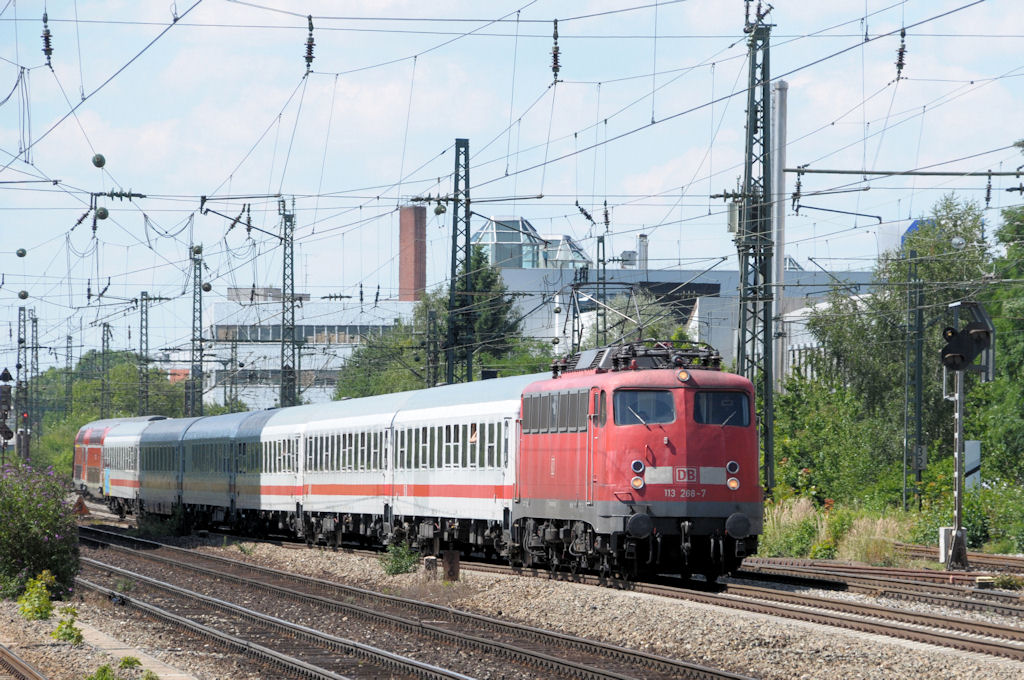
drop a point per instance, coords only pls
(596, 415)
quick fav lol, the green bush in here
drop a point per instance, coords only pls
(400, 559)
(1009, 582)
(793, 540)
(129, 662)
(104, 672)
(34, 603)
(149, 675)
(823, 550)
(66, 629)
(1000, 546)
(1005, 507)
(838, 523)
(37, 529)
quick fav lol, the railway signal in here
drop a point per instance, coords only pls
(962, 348)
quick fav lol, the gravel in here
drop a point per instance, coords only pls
(751, 644)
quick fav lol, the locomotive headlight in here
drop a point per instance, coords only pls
(682, 376)
(732, 467)
(638, 467)
(732, 483)
(637, 483)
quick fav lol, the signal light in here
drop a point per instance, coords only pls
(963, 347)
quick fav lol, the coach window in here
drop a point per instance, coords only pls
(414, 447)
(451, 445)
(635, 407)
(721, 408)
(432, 448)
(426, 454)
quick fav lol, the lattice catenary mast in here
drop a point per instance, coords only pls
(754, 239)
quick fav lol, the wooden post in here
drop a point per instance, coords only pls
(451, 565)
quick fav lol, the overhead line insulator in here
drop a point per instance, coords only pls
(309, 45)
(555, 66)
(901, 54)
(47, 41)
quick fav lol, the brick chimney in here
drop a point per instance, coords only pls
(412, 252)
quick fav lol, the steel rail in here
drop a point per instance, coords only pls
(378, 657)
(940, 594)
(437, 615)
(1009, 563)
(17, 667)
(813, 610)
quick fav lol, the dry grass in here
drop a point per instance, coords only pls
(792, 527)
(871, 540)
(789, 512)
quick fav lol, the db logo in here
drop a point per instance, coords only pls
(686, 474)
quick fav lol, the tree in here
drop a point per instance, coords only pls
(53, 447)
(994, 412)
(861, 371)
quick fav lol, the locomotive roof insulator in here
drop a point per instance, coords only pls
(647, 354)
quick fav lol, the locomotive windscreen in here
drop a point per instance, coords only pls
(721, 408)
(635, 407)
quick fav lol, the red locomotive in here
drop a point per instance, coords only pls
(639, 459)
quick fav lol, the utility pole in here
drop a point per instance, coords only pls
(460, 298)
(433, 355)
(602, 294)
(21, 387)
(68, 375)
(105, 372)
(144, 299)
(914, 452)
(289, 353)
(34, 400)
(780, 339)
(194, 389)
(232, 392)
(754, 239)
(143, 408)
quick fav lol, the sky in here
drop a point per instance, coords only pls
(213, 99)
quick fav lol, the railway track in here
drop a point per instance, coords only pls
(13, 667)
(875, 584)
(957, 633)
(312, 654)
(538, 652)
(966, 635)
(1008, 563)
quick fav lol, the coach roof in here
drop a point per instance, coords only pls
(496, 389)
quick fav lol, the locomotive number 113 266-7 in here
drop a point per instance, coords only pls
(685, 493)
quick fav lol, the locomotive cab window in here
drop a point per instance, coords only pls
(721, 408)
(643, 407)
